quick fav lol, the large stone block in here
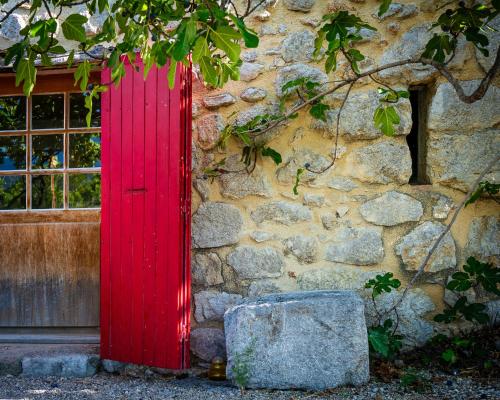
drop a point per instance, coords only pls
(356, 245)
(215, 101)
(342, 183)
(299, 5)
(412, 45)
(211, 305)
(448, 113)
(383, 162)
(207, 343)
(305, 248)
(216, 224)
(456, 159)
(206, 269)
(9, 30)
(298, 46)
(253, 262)
(304, 340)
(356, 120)
(281, 212)
(209, 128)
(239, 184)
(392, 208)
(483, 241)
(414, 247)
(296, 71)
(335, 277)
(287, 173)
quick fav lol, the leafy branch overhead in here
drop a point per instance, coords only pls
(335, 42)
(163, 32)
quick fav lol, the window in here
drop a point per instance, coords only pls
(49, 159)
(417, 138)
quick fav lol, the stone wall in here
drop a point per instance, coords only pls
(252, 236)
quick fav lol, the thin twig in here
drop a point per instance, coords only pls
(337, 130)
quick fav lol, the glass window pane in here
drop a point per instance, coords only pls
(12, 113)
(12, 153)
(47, 111)
(47, 151)
(84, 191)
(47, 191)
(78, 112)
(84, 150)
(12, 192)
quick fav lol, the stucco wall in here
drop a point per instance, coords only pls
(320, 239)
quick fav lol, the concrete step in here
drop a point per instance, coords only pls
(75, 360)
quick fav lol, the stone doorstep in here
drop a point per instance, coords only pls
(86, 365)
(68, 365)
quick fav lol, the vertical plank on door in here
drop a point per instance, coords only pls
(138, 156)
(115, 194)
(150, 239)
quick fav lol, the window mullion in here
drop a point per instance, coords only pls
(28, 156)
(66, 153)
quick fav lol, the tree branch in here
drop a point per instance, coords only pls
(346, 82)
(481, 89)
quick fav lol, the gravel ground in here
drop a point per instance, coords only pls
(106, 386)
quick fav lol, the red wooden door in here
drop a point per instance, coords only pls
(146, 147)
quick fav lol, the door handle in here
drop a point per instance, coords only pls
(137, 190)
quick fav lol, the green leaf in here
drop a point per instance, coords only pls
(460, 282)
(46, 61)
(269, 152)
(208, 71)
(384, 6)
(73, 29)
(185, 38)
(26, 71)
(249, 37)
(57, 50)
(88, 106)
(102, 5)
(71, 57)
(200, 49)
(383, 283)
(82, 74)
(225, 38)
(117, 73)
(319, 110)
(295, 190)
(379, 341)
(484, 187)
(171, 74)
(385, 118)
(449, 356)
(439, 46)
